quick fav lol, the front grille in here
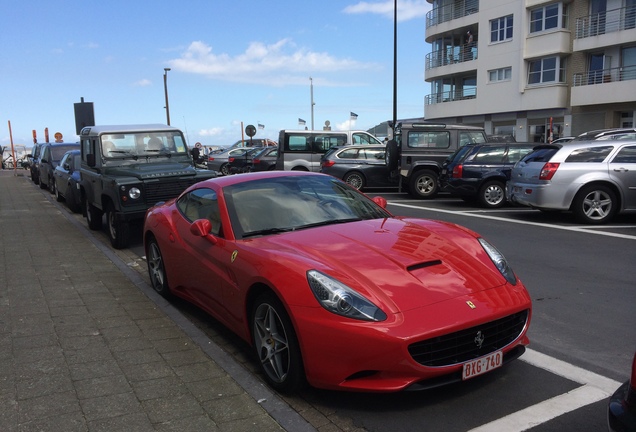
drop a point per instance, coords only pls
(166, 190)
(461, 346)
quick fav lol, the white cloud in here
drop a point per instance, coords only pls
(406, 9)
(211, 132)
(142, 83)
(278, 64)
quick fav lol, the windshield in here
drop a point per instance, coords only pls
(143, 144)
(274, 205)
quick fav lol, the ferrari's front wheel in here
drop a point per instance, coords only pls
(276, 344)
(156, 268)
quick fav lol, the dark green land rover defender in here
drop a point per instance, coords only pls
(127, 169)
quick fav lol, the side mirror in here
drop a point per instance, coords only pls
(90, 159)
(379, 201)
(202, 228)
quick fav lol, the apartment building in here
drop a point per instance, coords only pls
(532, 68)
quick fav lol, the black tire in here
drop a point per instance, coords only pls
(276, 344)
(225, 169)
(35, 179)
(156, 268)
(595, 204)
(93, 216)
(392, 155)
(355, 179)
(492, 194)
(118, 230)
(42, 185)
(52, 186)
(424, 184)
(56, 192)
(71, 201)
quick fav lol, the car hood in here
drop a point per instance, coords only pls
(403, 263)
(152, 170)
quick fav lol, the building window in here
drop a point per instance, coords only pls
(501, 29)
(503, 74)
(546, 70)
(548, 17)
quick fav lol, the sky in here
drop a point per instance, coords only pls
(232, 64)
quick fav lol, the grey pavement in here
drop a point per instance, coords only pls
(86, 344)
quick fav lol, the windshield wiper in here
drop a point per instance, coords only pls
(126, 153)
(267, 231)
(328, 222)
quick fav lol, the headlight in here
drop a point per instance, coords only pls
(338, 298)
(500, 261)
(134, 193)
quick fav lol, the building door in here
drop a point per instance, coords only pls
(595, 72)
(598, 9)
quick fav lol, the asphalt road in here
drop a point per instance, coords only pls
(583, 332)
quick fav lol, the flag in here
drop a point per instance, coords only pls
(301, 121)
(354, 116)
(261, 126)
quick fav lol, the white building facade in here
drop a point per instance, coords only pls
(532, 68)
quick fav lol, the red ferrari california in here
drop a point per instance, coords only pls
(331, 289)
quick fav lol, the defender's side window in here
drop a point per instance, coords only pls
(434, 139)
(471, 138)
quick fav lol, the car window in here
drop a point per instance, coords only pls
(591, 154)
(626, 155)
(349, 154)
(374, 154)
(359, 138)
(490, 155)
(201, 204)
(516, 153)
(471, 137)
(434, 139)
(542, 154)
(459, 154)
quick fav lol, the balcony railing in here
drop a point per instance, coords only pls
(452, 55)
(450, 96)
(606, 22)
(625, 73)
(451, 11)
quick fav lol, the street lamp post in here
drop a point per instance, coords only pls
(165, 89)
(311, 92)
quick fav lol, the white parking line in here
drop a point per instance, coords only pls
(594, 388)
(586, 230)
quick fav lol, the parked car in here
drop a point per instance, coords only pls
(361, 166)
(265, 160)
(621, 409)
(479, 172)
(49, 159)
(608, 134)
(326, 285)
(242, 163)
(420, 148)
(220, 161)
(66, 178)
(34, 159)
(593, 179)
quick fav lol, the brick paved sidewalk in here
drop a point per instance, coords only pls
(86, 347)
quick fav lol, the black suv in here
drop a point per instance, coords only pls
(127, 169)
(479, 172)
(419, 149)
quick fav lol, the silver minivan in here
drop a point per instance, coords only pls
(593, 179)
(303, 149)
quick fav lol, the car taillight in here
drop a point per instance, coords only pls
(230, 160)
(210, 158)
(328, 163)
(548, 171)
(632, 379)
(457, 171)
(256, 161)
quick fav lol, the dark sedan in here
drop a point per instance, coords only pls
(50, 158)
(361, 166)
(67, 178)
(265, 160)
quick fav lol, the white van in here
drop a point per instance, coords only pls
(303, 149)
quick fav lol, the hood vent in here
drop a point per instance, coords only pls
(423, 265)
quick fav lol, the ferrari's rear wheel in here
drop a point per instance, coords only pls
(276, 344)
(156, 268)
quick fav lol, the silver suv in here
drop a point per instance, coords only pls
(593, 179)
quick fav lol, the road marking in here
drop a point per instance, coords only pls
(594, 388)
(586, 230)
